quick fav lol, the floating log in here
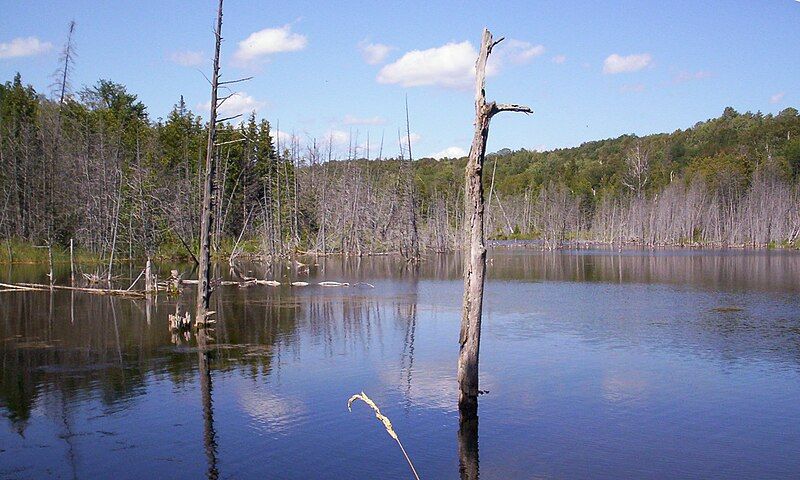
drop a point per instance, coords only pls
(96, 291)
(8, 287)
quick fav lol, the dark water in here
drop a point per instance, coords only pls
(674, 364)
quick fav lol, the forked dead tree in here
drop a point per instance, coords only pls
(475, 258)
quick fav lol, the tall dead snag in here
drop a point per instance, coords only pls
(475, 258)
(411, 196)
(204, 272)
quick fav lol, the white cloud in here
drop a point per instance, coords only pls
(339, 137)
(187, 58)
(415, 138)
(352, 120)
(374, 53)
(268, 41)
(450, 152)
(24, 47)
(239, 104)
(615, 63)
(449, 66)
(350, 143)
(559, 59)
(777, 97)
(284, 138)
(269, 411)
(684, 76)
(519, 52)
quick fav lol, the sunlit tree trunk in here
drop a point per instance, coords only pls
(475, 258)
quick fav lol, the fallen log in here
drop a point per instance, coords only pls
(95, 291)
(9, 287)
(333, 284)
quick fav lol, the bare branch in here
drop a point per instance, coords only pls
(509, 107)
(228, 118)
(230, 141)
(495, 43)
(235, 81)
(204, 76)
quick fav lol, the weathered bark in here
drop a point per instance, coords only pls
(204, 272)
(148, 277)
(50, 263)
(475, 258)
(71, 263)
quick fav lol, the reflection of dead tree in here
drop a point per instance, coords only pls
(468, 445)
(206, 387)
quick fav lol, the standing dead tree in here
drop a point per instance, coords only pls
(411, 198)
(475, 258)
(204, 272)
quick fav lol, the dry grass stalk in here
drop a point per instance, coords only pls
(387, 424)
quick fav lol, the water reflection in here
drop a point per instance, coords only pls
(209, 434)
(468, 467)
(99, 381)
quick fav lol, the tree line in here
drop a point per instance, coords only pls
(93, 166)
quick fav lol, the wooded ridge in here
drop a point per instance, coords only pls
(94, 167)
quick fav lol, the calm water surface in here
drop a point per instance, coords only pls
(599, 364)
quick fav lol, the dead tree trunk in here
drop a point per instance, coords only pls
(475, 257)
(71, 263)
(148, 277)
(411, 197)
(204, 272)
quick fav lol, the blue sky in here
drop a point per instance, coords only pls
(322, 69)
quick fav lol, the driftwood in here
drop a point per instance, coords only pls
(96, 291)
(9, 287)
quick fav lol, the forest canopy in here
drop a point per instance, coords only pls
(98, 169)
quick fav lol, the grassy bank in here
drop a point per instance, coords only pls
(13, 251)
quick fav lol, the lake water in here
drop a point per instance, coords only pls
(599, 364)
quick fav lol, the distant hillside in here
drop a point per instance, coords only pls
(733, 145)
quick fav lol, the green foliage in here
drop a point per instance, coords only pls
(724, 151)
(17, 251)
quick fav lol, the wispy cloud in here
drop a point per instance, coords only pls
(187, 58)
(777, 98)
(559, 59)
(353, 120)
(239, 104)
(374, 53)
(684, 76)
(450, 152)
(519, 51)
(266, 42)
(449, 66)
(24, 47)
(615, 63)
(633, 88)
